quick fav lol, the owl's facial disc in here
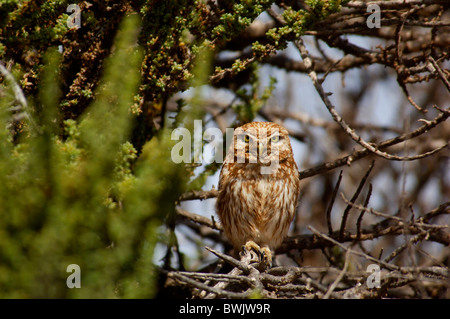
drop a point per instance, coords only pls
(262, 148)
(268, 148)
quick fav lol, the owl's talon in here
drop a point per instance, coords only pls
(251, 245)
(262, 256)
(266, 256)
(252, 250)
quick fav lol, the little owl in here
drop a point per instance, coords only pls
(258, 188)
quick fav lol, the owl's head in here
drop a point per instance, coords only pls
(262, 143)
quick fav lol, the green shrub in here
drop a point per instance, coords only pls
(79, 196)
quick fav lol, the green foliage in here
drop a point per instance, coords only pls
(173, 33)
(83, 199)
(21, 18)
(241, 16)
(298, 21)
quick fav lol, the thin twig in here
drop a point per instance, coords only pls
(361, 215)
(384, 264)
(196, 284)
(338, 119)
(19, 96)
(339, 278)
(440, 72)
(371, 210)
(232, 261)
(361, 153)
(353, 200)
(194, 195)
(202, 220)
(405, 245)
(331, 204)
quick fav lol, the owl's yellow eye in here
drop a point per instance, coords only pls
(246, 138)
(275, 138)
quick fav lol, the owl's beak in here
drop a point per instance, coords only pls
(261, 149)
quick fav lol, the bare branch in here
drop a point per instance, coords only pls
(20, 98)
(338, 119)
(358, 154)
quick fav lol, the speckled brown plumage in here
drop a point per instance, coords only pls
(256, 205)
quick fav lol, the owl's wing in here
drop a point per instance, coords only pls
(223, 172)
